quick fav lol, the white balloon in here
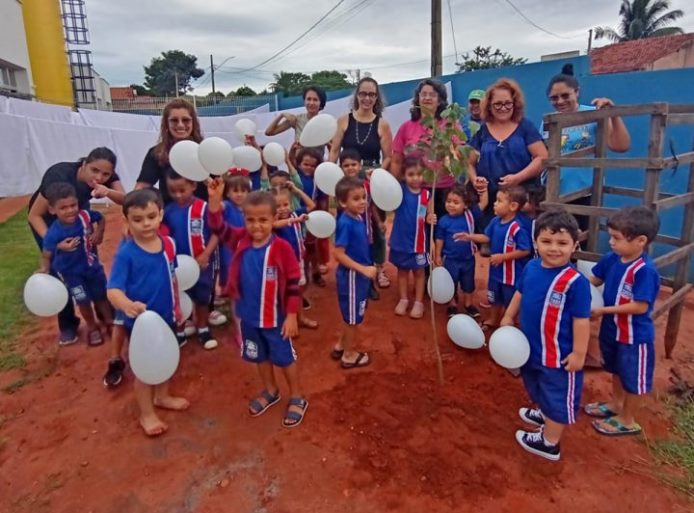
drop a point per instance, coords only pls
(327, 175)
(244, 127)
(153, 351)
(248, 157)
(273, 153)
(216, 155)
(464, 331)
(596, 299)
(509, 347)
(184, 159)
(45, 295)
(186, 304)
(386, 191)
(585, 268)
(318, 131)
(441, 287)
(321, 224)
(187, 272)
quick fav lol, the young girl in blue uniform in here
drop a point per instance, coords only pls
(553, 300)
(408, 238)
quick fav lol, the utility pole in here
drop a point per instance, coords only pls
(436, 46)
(214, 97)
(590, 40)
(176, 79)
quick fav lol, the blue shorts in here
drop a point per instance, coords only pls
(352, 294)
(201, 292)
(462, 272)
(263, 344)
(87, 286)
(556, 392)
(633, 363)
(120, 319)
(403, 260)
(499, 293)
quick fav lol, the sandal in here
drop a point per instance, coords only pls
(382, 279)
(256, 408)
(95, 338)
(598, 410)
(336, 354)
(619, 428)
(293, 418)
(308, 323)
(362, 361)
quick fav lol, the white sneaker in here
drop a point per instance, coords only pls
(189, 329)
(210, 344)
(217, 318)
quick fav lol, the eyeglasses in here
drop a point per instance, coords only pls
(555, 97)
(502, 105)
(364, 94)
(429, 95)
(176, 121)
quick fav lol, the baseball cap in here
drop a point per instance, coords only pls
(476, 94)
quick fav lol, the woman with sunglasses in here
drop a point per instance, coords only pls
(508, 148)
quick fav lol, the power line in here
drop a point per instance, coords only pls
(531, 22)
(450, 16)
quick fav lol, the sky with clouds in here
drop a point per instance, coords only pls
(389, 38)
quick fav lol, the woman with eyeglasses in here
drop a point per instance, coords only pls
(509, 149)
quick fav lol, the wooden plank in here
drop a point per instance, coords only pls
(588, 151)
(682, 158)
(675, 299)
(611, 163)
(674, 201)
(673, 256)
(632, 193)
(590, 116)
(587, 255)
(680, 119)
(596, 199)
(554, 149)
(572, 196)
(583, 210)
(681, 108)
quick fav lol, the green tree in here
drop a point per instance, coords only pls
(243, 91)
(289, 83)
(140, 90)
(162, 73)
(330, 80)
(640, 19)
(483, 57)
(217, 95)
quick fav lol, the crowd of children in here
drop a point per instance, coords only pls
(266, 259)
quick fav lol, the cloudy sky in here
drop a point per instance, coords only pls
(389, 38)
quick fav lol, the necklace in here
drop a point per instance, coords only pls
(368, 133)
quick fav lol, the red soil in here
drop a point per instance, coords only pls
(383, 438)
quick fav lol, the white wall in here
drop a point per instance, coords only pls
(13, 47)
(103, 92)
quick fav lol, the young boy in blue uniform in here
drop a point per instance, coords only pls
(143, 278)
(553, 299)
(464, 209)
(626, 332)
(510, 246)
(69, 251)
(355, 269)
(187, 220)
(264, 283)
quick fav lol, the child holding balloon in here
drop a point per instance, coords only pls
(553, 300)
(143, 278)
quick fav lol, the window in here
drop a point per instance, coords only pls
(7, 78)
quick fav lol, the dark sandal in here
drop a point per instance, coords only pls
(621, 429)
(336, 354)
(292, 418)
(256, 408)
(95, 338)
(598, 410)
(359, 362)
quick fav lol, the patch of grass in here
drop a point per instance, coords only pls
(19, 260)
(679, 452)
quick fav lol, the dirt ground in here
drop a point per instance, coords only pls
(386, 438)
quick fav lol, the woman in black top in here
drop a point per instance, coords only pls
(179, 122)
(92, 177)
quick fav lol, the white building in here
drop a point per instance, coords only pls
(15, 69)
(102, 92)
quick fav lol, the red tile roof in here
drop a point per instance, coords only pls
(122, 93)
(636, 55)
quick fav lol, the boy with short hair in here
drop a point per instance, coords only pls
(553, 299)
(187, 220)
(355, 269)
(69, 251)
(267, 298)
(143, 278)
(626, 333)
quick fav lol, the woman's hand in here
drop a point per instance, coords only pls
(480, 183)
(601, 103)
(100, 191)
(509, 180)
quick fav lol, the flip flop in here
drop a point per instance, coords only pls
(598, 410)
(255, 406)
(336, 354)
(309, 324)
(621, 429)
(292, 418)
(95, 338)
(359, 362)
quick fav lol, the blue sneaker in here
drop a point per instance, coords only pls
(68, 337)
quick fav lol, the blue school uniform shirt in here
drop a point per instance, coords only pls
(293, 234)
(258, 289)
(309, 186)
(506, 238)
(551, 299)
(145, 277)
(448, 226)
(624, 283)
(351, 235)
(81, 259)
(409, 234)
(574, 138)
(188, 226)
(528, 223)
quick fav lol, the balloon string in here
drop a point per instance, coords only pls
(437, 352)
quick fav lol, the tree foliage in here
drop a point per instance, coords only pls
(482, 57)
(641, 19)
(243, 91)
(218, 95)
(291, 84)
(160, 75)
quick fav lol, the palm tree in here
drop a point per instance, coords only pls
(641, 19)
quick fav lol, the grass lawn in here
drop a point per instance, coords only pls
(18, 259)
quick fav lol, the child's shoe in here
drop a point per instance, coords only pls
(401, 307)
(451, 311)
(472, 311)
(534, 442)
(114, 374)
(181, 338)
(189, 328)
(532, 416)
(206, 339)
(417, 311)
(216, 318)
